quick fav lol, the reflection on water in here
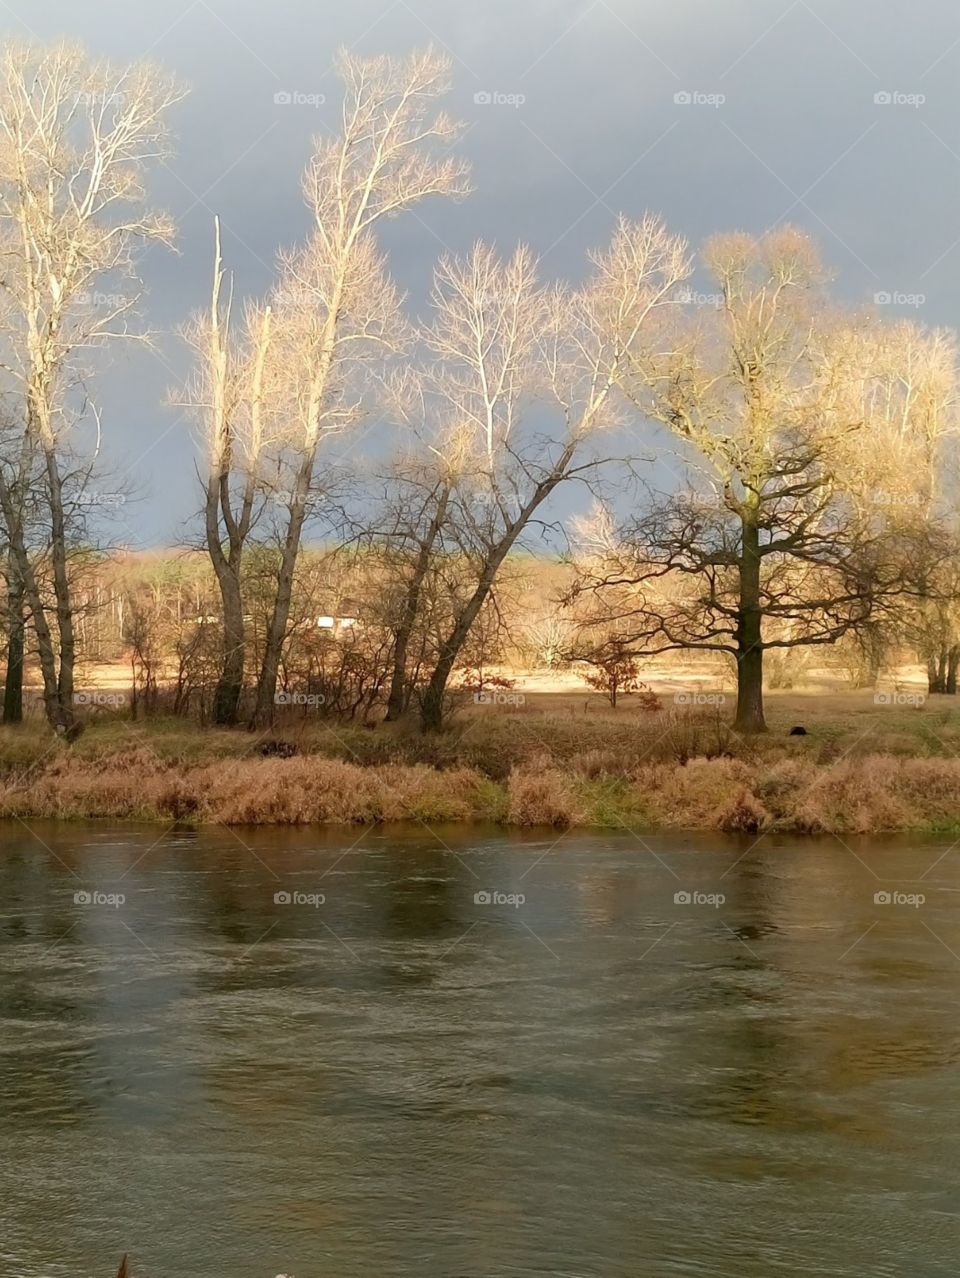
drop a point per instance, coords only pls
(399, 1080)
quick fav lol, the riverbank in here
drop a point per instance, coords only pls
(680, 773)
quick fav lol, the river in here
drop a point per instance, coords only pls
(451, 1052)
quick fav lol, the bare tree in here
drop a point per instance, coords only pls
(340, 310)
(411, 533)
(907, 479)
(774, 542)
(76, 138)
(614, 669)
(234, 396)
(503, 345)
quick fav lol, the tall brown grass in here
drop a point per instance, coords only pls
(876, 793)
(299, 791)
(540, 794)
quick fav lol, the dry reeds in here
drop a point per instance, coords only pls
(792, 792)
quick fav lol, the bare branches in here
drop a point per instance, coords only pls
(390, 153)
(338, 313)
(784, 400)
(519, 384)
(76, 138)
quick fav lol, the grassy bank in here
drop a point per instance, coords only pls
(858, 772)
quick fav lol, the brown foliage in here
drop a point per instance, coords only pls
(542, 795)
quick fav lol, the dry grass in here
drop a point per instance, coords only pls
(298, 791)
(872, 794)
(541, 794)
(864, 769)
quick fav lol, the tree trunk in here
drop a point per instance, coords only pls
(28, 580)
(277, 628)
(398, 679)
(226, 698)
(13, 685)
(871, 645)
(431, 704)
(942, 671)
(397, 700)
(12, 508)
(134, 697)
(61, 587)
(749, 716)
(227, 569)
(953, 662)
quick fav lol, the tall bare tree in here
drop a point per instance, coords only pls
(77, 137)
(234, 396)
(907, 478)
(531, 375)
(338, 310)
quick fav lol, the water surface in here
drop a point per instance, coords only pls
(597, 1081)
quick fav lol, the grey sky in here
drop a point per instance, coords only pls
(799, 136)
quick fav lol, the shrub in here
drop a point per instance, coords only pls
(541, 795)
(743, 814)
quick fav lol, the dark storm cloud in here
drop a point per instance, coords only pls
(841, 117)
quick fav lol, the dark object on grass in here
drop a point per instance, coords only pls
(123, 1272)
(278, 749)
(797, 732)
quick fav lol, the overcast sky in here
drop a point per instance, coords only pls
(840, 115)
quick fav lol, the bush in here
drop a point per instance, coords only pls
(743, 814)
(541, 795)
